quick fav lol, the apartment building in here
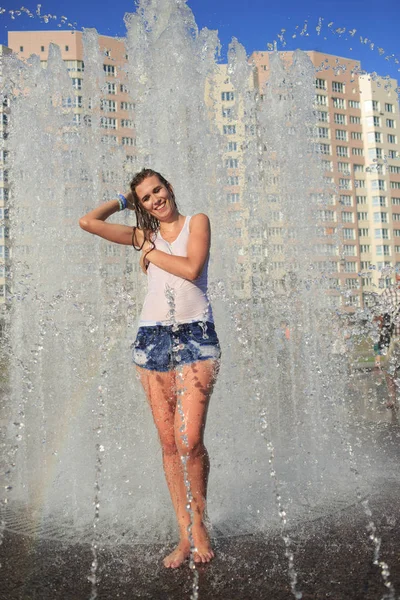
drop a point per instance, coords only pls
(356, 137)
(357, 118)
(378, 214)
(4, 192)
(113, 111)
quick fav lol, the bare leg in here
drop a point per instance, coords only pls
(196, 382)
(160, 389)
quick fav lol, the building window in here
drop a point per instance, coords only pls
(111, 88)
(381, 234)
(231, 147)
(355, 120)
(378, 184)
(395, 185)
(342, 151)
(66, 48)
(323, 132)
(383, 250)
(379, 201)
(232, 180)
(108, 123)
(339, 119)
(365, 248)
(320, 84)
(359, 183)
(227, 96)
(108, 105)
(321, 100)
(345, 184)
(127, 105)
(389, 107)
(390, 123)
(339, 103)
(361, 199)
(233, 198)
(231, 163)
(380, 217)
(357, 151)
(396, 216)
(127, 123)
(109, 70)
(344, 167)
(396, 201)
(338, 87)
(375, 105)
(75, 65)
(229, 129)
(346, 200)
(393, 154)
(347, 217)
(322, 116)
(350, 267)
(362, 216)
(374, 137)
(21, 48)
(356, 135)
(128, 141)
(392, 139)
(349, 250)
(77, 83)
(348, 234)
(354, 104)
(322, 148)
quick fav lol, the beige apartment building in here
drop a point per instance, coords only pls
(356, 135)
(378, 214)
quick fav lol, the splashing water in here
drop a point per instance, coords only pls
(76, 298)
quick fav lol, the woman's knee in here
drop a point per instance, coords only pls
(168, 447)
(192, 447)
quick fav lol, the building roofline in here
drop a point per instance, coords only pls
(113, 37)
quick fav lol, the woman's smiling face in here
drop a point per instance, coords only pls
(155, 198)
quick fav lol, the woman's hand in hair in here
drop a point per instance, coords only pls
(129, 199)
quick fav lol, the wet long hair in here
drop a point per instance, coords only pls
(144, 220)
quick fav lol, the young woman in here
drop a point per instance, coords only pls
(176, 351)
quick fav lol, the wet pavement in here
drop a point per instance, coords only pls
(333, 555)
(333, 558)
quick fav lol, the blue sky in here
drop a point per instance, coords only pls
(254, 22)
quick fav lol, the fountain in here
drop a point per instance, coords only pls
(83, 462)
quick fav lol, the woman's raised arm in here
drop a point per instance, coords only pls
(94, 222)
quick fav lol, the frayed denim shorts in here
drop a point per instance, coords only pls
(166, 347)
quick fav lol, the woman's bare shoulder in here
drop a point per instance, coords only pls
(200, 221)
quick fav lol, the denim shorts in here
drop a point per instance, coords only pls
(166, 347)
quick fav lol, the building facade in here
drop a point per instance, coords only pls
(355, 134)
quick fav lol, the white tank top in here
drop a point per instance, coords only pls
(190, 297)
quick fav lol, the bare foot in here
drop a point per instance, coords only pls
(204, 553)
(178, 556)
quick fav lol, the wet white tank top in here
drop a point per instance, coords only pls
(190, 298)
